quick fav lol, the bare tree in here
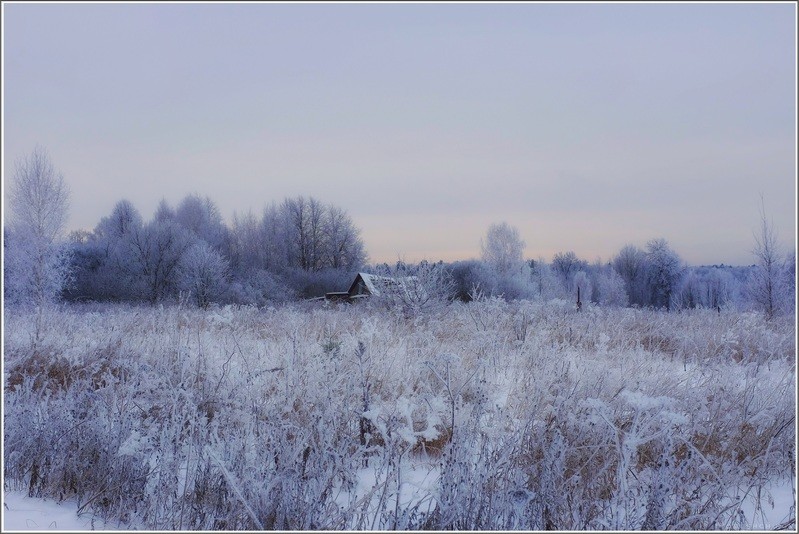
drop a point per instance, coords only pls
(37, 265)
(766, 281)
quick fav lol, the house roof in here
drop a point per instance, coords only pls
(380, 285)
(372, 282)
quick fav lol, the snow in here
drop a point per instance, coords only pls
(777, 506)
(414, 489)
(23, 513)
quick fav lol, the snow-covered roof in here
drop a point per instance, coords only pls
(380, 285)
(371, 282)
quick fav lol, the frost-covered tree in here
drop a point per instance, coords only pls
(312, 236)
(275, 241)
(475, 278)
(470, 277)
(114, 234)
(307, 246)
(689, 294)
(300, 247)
(721, 289)
(664, 269)
(343, 246)
(610, 288)
(154, 258)
(246, 249)
(544, 283)
(37, 266)
(502, 248)
(258, 243)
(707, 287)
(305, 241)
(124, 219)
(102, 260)
(416, 288)
(87, 257)
(164, 212)
(259, 287)
(768, 287)
(630, 263)
(203, 274)
(201, 216)
(790, 280)
(566, 265)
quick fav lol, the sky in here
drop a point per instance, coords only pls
(585, 126)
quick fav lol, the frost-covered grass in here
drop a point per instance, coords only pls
(488, 415)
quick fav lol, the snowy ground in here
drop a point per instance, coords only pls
(21, 512)
(777, 508)
(414, 489)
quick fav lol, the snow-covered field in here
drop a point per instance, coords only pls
(487, 415)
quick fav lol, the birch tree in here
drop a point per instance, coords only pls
(37, 266)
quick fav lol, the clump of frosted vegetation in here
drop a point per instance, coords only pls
(490, 415)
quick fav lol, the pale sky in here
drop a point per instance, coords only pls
(586, 126)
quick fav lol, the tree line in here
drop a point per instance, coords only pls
(301, 248)
(653, 276)
(294, 250)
